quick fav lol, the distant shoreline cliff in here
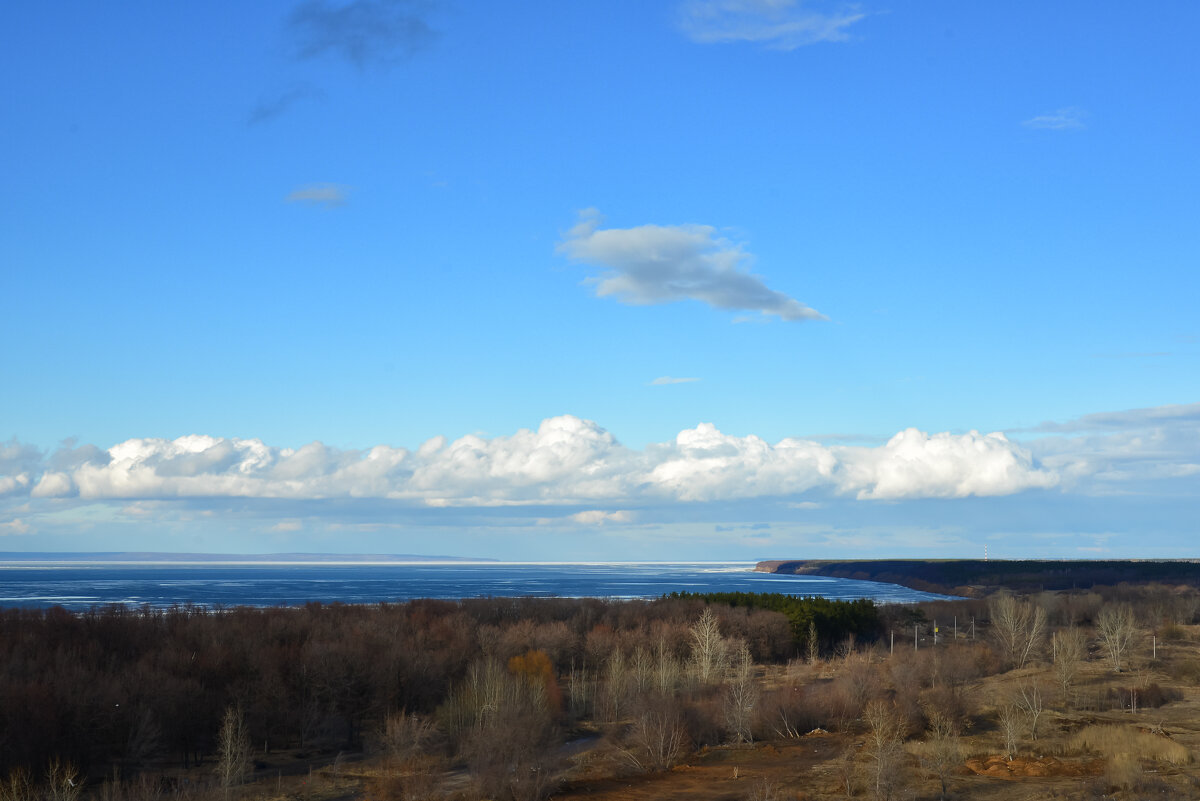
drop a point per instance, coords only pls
(978, 577)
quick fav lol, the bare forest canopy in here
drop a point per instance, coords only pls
(521, 699)
(128, 687)
(977, 577)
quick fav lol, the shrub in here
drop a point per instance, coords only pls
(1123, 771)
(658, 739)
(787, 712)
(704, 718)
(1149, 697)
(1172, 633)
(1186, 670)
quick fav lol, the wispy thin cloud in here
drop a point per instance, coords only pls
(365, 33)
(1130, 419)
(1133, 355)
(273, 106)
(327, 195)
(1064, 119)
(778, 24)
(665, 380)
(655, 264)
(16, 526)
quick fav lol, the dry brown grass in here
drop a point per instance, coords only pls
(1123, 771)
(1121, 743)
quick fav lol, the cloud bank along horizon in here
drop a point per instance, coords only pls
(571, 473)
(569, 460)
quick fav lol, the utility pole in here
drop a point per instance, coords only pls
(956, 628)
(914, 636)
(892, 648)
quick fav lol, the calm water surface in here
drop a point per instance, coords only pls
(82, 585)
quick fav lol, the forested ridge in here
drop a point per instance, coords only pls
(979, 576)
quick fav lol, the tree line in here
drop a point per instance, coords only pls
(498, 686)
(126, 687)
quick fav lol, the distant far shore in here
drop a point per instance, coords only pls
(241, 558)
(974, 578)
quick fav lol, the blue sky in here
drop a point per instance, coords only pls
(421, 277)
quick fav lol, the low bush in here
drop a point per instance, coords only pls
(1123, 771)
(788, 712)
(1151, 696)
(1172, 633)
(1186, 670)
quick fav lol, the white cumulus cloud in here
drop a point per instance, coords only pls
(53, 485)
(15, 526)
(14, 485)
(565, 461)
(598, 517)
(705, 464)
(916, 464)
(653, 264)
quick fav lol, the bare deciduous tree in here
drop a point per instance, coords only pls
(18, 787)
(1068, 649)
(641, 670)
(63, 782)
(741, 697)
(667, 668)
(708, 648)
(844, 769)
(658, 739)
(1028, 699)
(143, 787)
(1018, 627)
(233, 749)
(845, 649)
(943, 752)
(1010, 728)
(765, 790)
(506, 731)
(885, 736)
(610, 697)
(405, 735)
(1116, 626)
(579, 691)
